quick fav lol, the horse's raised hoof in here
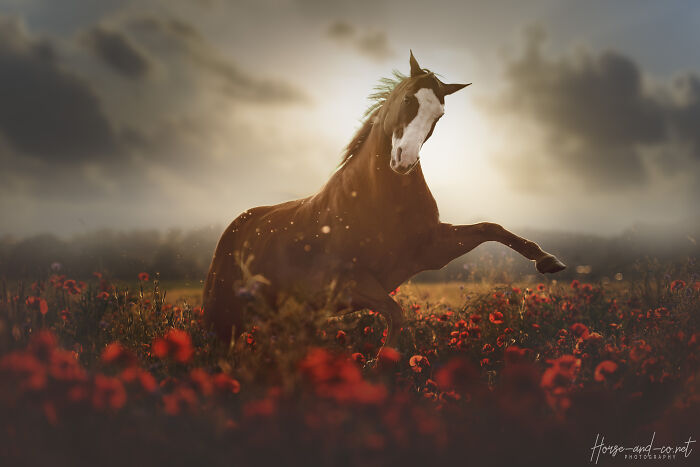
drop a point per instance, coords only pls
(549, 264)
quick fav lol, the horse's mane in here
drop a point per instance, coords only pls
(377, 99)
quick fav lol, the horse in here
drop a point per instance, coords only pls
(371, 227)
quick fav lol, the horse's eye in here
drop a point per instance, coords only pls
(406, 99)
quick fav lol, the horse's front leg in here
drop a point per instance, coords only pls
(452, 241)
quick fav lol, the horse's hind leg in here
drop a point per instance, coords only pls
(453, 241)
(368, 293)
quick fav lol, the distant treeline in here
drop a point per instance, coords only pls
(185, 255)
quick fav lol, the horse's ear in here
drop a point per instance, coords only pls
(452, 88)
(415, 67)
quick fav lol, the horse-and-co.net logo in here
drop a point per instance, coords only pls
(641, 452)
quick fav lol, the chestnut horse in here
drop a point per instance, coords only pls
(371, 227)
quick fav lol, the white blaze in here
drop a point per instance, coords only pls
(410, 142)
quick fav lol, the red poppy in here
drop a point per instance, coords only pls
(147, 381)
(604, 370)
(38, 304)
(109, 392)
(501, 340)
(579, 330)
(388, 357)
(225, 384)
(359, 358)
(116, 354)
(487, 349)
(458, 374)
(103, 295)
(677, 285)
(418, 363)
(575, 284)
(496, 317)
(341, 337)
(176, 344)
(143, 276)
(515, 354)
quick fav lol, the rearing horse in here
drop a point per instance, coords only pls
(370, 228)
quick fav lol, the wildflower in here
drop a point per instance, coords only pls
(388, 357)
(359, 358)
(64, 366)
(475, 318)
(458, 374)
(117, 355)
(487, 349)
(558, 379)
(515, 354)
(540, 287)
(37, 304)
(496, 317)
(143, 276)
(501, 340)
(225, 384)
(176, 344)
(103, 295)
(575, 284)
(147, 381)
(677, 285)
(604, 370)
(202, 381)
(340, 337)
(27, 367)
(640, 349)
(180, 398)
(418, 363)
(579, 330)
(109, 392)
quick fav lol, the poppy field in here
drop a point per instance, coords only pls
(97, 372)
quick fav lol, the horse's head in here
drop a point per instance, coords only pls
(410, 113)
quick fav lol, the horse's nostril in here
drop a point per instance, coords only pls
(398, 154)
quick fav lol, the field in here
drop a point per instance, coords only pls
(106, 373)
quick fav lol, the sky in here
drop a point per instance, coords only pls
(582, 116)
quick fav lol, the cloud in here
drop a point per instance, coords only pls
(371, 44)
(115, 49)
(341, 30)
(597, 117)
(237, 83)
(47, 112)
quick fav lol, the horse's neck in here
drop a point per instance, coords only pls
(388, 191)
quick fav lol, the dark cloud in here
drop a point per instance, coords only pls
(685, 114)
(237, 83)
(372, 44)
(115, 49)
(45, 111)
(341, 30)
(596, 113)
